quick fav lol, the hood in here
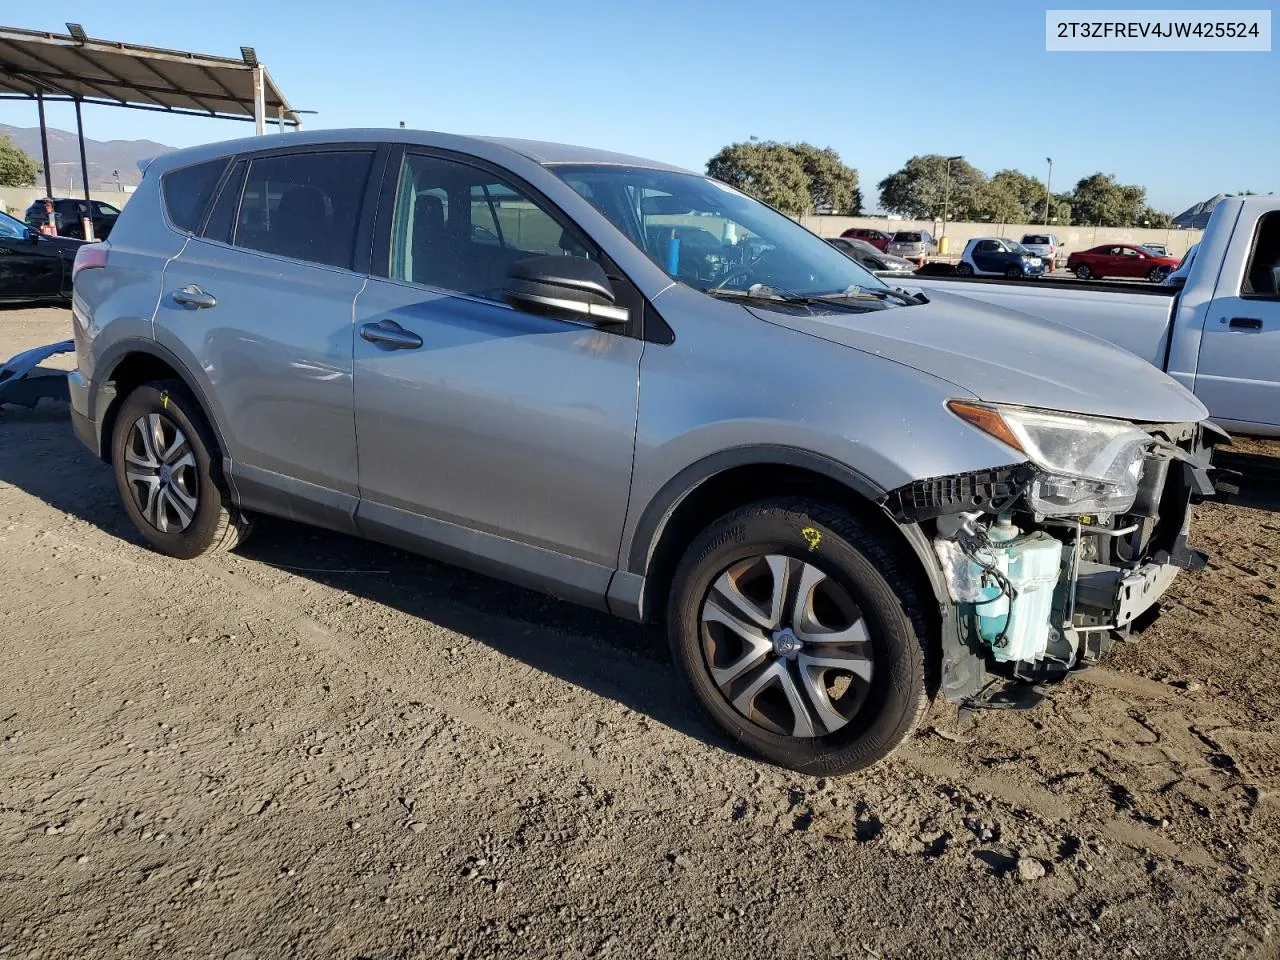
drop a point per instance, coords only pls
(1003, 356)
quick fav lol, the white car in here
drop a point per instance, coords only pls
(1043, 245)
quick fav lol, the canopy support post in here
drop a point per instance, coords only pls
(259, 101)
(87, 222)
(44, 145)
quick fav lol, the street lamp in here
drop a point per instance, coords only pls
(1048, 187)
(946, 193)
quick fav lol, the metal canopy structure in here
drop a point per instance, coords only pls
(76, 68)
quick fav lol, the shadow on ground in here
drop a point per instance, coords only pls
(623, 661)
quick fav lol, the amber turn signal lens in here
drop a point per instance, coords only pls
(985, 419)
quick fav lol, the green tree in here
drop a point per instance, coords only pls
(1060, 210)
(794, 177)
(1098, 199)
(919, 189)
(1029, 191)
(999, 201)
(1151, 217)
(16, 168)
(766, 170)
(831, 183)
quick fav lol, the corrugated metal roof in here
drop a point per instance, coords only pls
(124, 74)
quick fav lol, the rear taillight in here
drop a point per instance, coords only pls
(88, 257)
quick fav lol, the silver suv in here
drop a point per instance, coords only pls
(639, 389)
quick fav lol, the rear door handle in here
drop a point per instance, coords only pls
(389, 334)
(1245, 323)
(193, 296)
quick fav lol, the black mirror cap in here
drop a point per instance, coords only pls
(563, 287)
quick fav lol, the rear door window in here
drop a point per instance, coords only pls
(187, 192)
(305, 205)
(1262, 278)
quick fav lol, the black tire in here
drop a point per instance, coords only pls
(855, 559)
(963, 269)
(1083, 272)
(214, 524)
(1156, 274)
(1013, 273)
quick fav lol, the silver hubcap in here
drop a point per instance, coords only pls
(161, 470)
(786, 645)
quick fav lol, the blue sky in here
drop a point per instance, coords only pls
(677, 80)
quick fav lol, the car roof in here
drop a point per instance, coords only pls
(539, 151)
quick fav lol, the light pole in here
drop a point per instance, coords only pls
(1048, 188)
(946, 194)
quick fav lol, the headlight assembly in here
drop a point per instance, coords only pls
(1087, 464)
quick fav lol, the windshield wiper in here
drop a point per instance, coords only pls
(758, 291)
(863, 293)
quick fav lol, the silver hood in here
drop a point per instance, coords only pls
(1003, 356)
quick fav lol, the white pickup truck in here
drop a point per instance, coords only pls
(1219, 335)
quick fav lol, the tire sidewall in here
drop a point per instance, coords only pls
(176, 403)
(897, 686)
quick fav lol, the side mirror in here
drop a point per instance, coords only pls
(565, 287)
(32, 236)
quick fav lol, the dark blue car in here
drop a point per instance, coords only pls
(998, 257)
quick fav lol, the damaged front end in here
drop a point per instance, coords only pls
(1049, 561)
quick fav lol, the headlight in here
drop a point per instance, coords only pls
(1088, 464)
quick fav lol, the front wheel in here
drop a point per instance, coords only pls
(1083, 272)
(1013, 273)
(801, 636)
(169, 474)
(1157, 274)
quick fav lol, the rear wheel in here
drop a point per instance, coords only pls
(169, 473)
(800, 636)
(1083, 271)
(964, 269)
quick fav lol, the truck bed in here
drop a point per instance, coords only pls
(1134, 316)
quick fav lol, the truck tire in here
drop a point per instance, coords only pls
(802, 636)
(169, 473)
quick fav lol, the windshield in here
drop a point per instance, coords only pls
(1014, 247)
(1035, 238)
(906, 237)
(12, 228)
(710, 236)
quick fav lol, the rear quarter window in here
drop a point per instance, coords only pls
(187, 192)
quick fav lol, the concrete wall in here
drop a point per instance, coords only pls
(15, 200)
(1073, 238)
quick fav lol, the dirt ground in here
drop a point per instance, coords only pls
(320, 747)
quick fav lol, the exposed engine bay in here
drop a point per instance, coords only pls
(1050, 561)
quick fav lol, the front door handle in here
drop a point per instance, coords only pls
(389, 334)
(1245, 323)
(192, 296)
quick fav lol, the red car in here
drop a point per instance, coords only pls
(1121, 260)
(877, 238)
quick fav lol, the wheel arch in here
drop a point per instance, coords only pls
(711, 487)
(129, 364)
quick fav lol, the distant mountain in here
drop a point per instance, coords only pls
(104, 157)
